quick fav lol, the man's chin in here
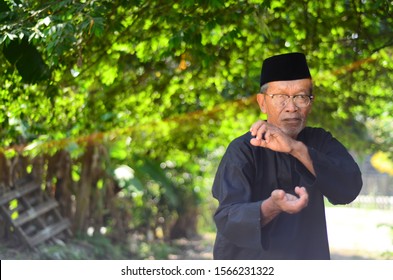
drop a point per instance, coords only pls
(292, 131)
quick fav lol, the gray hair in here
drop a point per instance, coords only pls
(264, 88)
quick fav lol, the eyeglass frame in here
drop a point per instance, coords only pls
(310, 98)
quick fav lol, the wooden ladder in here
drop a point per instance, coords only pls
(32, 215)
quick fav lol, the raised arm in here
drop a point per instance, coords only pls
(271, 137)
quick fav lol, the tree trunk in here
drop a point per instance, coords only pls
(186, 225)
(83, 191)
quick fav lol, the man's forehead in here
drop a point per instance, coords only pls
(292, 85)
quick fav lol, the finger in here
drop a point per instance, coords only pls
(256, 142)
(255, 126)
(301, 191)
(261, 132)
(303, 196)
(267, 135)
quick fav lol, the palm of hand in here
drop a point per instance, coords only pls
(288, 202)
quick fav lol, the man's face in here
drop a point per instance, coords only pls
(290, 118)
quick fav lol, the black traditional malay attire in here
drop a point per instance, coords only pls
(247, 175)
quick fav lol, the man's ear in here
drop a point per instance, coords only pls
(261, 102)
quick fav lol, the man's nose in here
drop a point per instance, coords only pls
(290, 106)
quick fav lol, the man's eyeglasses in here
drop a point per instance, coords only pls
(300, 101)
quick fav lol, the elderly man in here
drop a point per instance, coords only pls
(272, 181)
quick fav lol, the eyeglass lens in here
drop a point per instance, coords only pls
(299, 100)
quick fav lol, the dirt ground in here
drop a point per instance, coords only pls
(354, 234)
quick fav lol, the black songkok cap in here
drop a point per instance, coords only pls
(284, 67)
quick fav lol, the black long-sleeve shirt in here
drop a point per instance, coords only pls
(247, 175)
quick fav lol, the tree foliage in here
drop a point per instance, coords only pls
(166, 84)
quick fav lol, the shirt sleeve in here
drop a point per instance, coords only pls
(338, 176)
(237, 218)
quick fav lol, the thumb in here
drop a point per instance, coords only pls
(278, 194)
